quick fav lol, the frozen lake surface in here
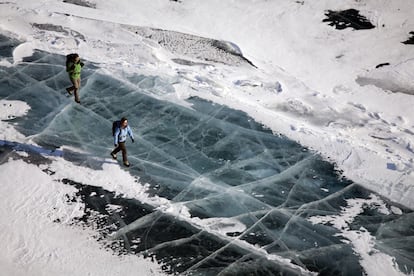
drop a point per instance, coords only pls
(243, 201)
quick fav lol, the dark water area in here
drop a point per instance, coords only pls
(347, 19)
(410, 40)
(256, 189)
(81, 3)
(176, 244)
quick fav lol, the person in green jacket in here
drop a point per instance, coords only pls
(74, 68)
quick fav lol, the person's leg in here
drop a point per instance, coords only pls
(124, 153)
(117, 149)
(76, 83)
(70, 89)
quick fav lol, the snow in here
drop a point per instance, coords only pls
(312, 83)
(373, 261)
(35, 244)
(8, 111)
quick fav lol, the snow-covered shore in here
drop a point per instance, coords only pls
(310, 82)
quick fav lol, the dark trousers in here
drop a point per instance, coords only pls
(121, 147)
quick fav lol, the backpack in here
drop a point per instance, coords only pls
(69, 59)
(115, 125)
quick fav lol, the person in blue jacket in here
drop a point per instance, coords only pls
(120, 131)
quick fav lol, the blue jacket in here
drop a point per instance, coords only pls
(121, 134)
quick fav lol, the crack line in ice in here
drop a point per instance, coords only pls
(139, 224)
(220, 189)
(173, 243)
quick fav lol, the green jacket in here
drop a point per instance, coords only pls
(74, 70)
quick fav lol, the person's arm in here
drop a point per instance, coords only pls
(130, 134)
